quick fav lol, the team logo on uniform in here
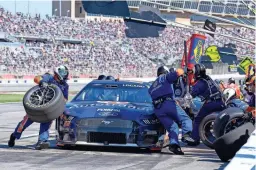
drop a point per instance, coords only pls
(177, 92)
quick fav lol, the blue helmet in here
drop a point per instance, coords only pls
(110, 78)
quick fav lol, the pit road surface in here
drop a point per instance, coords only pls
(23, 157)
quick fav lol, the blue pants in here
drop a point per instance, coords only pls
(172, 116)
(26, 122)
(207, 108)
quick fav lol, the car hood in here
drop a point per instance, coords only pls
(124, 110)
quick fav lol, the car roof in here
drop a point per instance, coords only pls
(117, 82)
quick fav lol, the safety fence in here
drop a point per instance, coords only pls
(245, 158)
(29, 79)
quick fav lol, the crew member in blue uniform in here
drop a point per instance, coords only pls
(209, 93)
(250, 85)
(60, 79)
(170, 114)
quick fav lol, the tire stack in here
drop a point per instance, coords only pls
(227, 145)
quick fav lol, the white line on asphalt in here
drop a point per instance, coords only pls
(34, 135)
(15, 112)
(9, 103)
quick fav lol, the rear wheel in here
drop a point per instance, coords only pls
(228, 120)
(206, 130)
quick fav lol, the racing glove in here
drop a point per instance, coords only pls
(180, 72)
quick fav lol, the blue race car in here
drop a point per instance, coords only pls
(110, 113)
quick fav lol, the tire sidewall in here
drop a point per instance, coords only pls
(221, 121)
(29, 106)
(49, 111)
(211, 117)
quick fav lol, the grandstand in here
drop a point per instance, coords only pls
(94, 45)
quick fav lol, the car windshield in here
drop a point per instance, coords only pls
(120, 93)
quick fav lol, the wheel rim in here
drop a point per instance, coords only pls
(208, 131)
(42, 96)
(233, 124)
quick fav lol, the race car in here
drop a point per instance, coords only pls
(110, 113)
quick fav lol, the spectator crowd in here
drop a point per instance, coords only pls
(105, 48)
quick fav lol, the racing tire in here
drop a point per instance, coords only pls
(44, 104)
(205, 127)
(227, 145)
(224, 118)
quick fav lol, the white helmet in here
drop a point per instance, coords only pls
(228, 94)
(62, 72)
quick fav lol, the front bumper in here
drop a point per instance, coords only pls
(119, 133)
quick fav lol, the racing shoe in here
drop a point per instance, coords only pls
(42, 145)
(176, 149)
(189, 140)
(11, 141)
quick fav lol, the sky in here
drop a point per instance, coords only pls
(32, 7)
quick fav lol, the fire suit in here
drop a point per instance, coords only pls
(44, 127)
(210, 94)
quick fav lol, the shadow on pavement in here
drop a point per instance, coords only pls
(101, 148)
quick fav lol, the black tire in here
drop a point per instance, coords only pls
(205, 130)
(224, 118)
(53, 107)
(227, 145)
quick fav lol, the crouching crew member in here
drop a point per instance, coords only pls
(60, 79)
(170, 114)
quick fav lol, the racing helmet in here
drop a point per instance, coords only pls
(61, 72)
(102, 77)
(110, 78)
(228, 94)
(162, 70)
(199, 71)
(231, 80)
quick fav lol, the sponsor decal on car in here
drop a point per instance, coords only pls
(130, 106)
(133, 85)
(108, 112)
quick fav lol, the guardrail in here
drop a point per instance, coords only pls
(245, 158)
(22, 85)
(87, 80)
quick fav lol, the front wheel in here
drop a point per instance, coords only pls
(206, 130)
